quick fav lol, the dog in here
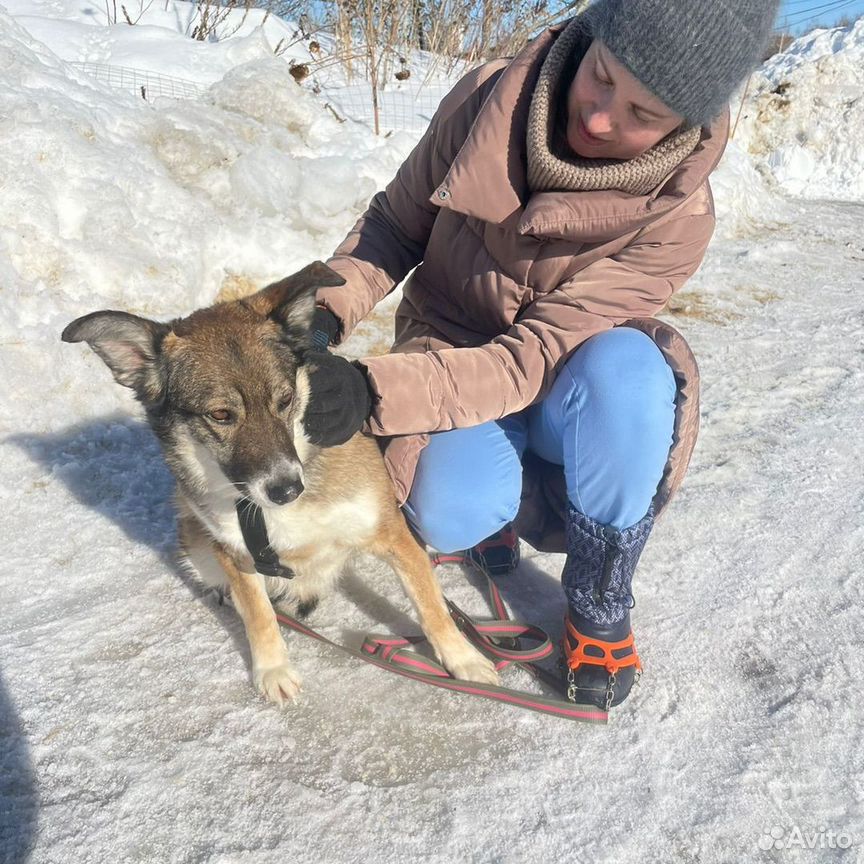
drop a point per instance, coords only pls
(225, 390)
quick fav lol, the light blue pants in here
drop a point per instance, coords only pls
(608, 420)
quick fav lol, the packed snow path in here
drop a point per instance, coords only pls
(129, 730)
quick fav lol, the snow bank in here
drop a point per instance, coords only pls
(804, 119)
(743, 200)
(112, 202)
(81, 31)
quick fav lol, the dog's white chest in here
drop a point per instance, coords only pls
(300, 524)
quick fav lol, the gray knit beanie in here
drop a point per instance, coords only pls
(691, 54)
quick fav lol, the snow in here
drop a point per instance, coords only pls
(804, 116)
(129, 730)
(78, 31)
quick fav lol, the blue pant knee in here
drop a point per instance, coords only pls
(608, 420)
(468, 484)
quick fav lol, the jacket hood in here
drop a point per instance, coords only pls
(488, 178)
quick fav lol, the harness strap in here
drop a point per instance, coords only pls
(254, 531)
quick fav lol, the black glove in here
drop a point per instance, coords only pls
(325, 329)
(339, 399)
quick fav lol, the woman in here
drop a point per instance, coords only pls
(555, 203)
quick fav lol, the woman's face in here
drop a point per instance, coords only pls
(611, 114)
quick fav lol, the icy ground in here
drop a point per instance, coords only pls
(133, 734)
(129, 730)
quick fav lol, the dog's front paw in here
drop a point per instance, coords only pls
(279, 683)
(470, 665)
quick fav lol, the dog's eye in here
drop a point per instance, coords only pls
(221, 415)
(285, 403)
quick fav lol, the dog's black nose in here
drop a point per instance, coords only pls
(282, 493)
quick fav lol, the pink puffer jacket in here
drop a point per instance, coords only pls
(509, 283)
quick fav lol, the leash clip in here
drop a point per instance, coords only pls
(273, 567)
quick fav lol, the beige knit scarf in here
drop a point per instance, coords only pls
(572, 173)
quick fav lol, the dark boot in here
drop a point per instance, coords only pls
(599, 654)
(498, 554)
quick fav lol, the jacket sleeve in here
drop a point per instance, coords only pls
(458, 387)
(390, 238)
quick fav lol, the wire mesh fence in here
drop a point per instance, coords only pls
(144, 84)
(404, 108)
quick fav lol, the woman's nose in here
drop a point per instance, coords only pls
(599, 123)
(600, 117)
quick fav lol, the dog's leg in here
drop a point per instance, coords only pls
(196, 551)
(412, 564)
(271, 672)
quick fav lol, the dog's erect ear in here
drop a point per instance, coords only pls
(128, 344)
(291, 301)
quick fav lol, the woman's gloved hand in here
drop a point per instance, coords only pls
(339, 399)
(325, 329)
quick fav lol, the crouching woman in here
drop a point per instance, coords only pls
(555, 203)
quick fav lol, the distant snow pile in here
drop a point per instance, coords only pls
(109, 201)
(744, 201)
(107, 198)
(80, 31)
(804, 119)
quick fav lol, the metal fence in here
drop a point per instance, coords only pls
(404, 107)
(146, 85)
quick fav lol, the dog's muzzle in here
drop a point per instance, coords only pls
(284, 493)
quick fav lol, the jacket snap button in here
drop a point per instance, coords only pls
(443, 194)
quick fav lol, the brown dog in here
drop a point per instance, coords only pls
(225, 391)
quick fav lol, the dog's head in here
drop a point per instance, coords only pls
(224, 388)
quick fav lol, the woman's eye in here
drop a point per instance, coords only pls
(221, 415)
(601, 79)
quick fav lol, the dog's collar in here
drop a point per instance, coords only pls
(255, 537)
